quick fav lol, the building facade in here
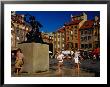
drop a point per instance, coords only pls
(86, 35)
(48, 39)
(96, 33)
(79, 33)
(67, 37)
(90, 34)
(19, 29)
(59, 40)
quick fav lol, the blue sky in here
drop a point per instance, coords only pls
(52, 20)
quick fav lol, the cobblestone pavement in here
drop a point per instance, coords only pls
(68, 70)
(58, 73)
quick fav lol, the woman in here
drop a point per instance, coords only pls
(60, 60)
(76, 58)
(19, 60)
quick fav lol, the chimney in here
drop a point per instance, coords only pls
(72, 18)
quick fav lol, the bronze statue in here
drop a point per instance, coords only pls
(34, 35)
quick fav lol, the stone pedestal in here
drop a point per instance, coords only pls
(36, 57)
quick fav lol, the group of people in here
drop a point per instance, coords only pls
(60, 57)
(76, 56)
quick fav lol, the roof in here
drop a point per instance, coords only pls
(75, 22)
(88, 24)
(61, 29)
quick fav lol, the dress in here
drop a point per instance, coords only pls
(60, 58)
(76, 57)
(19, 60)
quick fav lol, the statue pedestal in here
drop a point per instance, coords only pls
(36, 57)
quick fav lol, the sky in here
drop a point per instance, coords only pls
(53, 20)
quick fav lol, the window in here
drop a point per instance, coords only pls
(72, 27)
(58, 39)
(95, 33)
(58, 34)
(55, 35)
(82, 38)
(71, 32)
(76, 45)
(17, 31)
(63, 45)
(90, 32)
(89, 37)
(90, 45)
(72, 37)
(58, 45)
(86, 46)
(85, 38)
(86, 32)
(70, 45)
(75, 31)
(75, 26)
(67, 32)
(75, 37)
(82, 45)
(81, 32)
(67, 38)
(67, 46)
(58, 42)
(55, 39)
(63, 34)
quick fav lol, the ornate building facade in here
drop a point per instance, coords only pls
(79, 33)
(90, 34)
(67, 37)
(59, 40)
(19, 29)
